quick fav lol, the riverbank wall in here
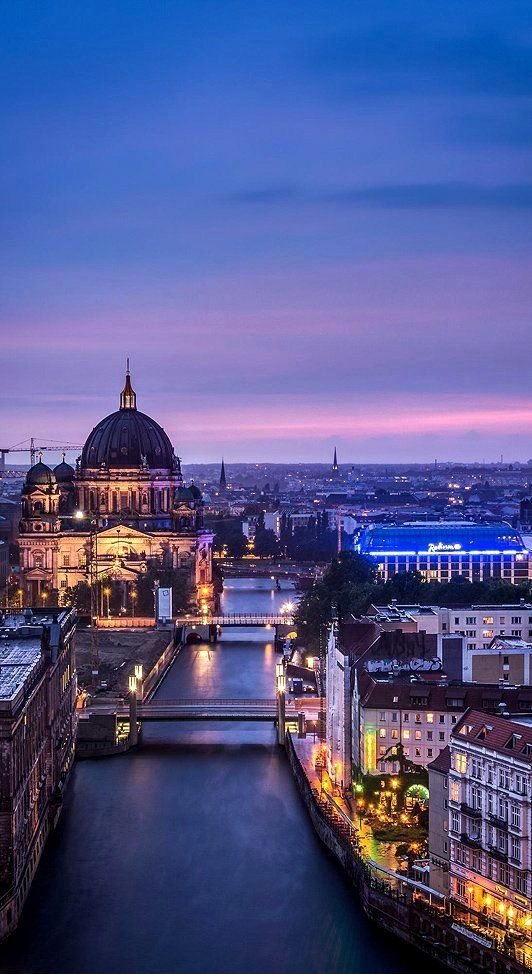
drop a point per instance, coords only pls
(100, 741)
(399, 911)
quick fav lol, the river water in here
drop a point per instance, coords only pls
(194, 854)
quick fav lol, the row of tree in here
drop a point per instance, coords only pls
(350, 585)
(314, 542)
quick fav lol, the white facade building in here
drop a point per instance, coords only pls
(490, 818)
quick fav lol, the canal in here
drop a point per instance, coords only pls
(194, 854)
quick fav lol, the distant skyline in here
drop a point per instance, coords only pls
(307, 225)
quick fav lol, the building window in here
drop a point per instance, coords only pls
(503, 809)
(394, 718)
(430, 718)
(382, 715)
(460, 888)
(406, 718)
(476, 797)
(442, 718)
(418, 718)
(429, 735)
(395, 735)
(515, 849)
(460, 762)
(66, 561)
(476, 766)
(520, 784)
(418, 752)
(441, 735)
(504, 779)
(516, 816)
(382, 732)
(521, 884)
(429, 752)
(418, 735)
(454, 790)
(406, 735)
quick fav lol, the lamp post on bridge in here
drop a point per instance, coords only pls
(135, 693)
(281, 703)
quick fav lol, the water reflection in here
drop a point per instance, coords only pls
(194, 854)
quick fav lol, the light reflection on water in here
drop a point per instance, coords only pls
(195, 854)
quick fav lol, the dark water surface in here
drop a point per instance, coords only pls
(195, 854)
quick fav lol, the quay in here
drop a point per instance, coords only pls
(411, 911)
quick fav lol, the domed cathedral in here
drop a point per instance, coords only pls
(122, 510)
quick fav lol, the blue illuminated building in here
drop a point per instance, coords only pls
(442, 550)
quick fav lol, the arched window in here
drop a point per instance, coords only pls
(38, 507)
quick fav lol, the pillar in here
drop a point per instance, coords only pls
(133, 729)
(281, 718)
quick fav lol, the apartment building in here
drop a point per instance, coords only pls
(420, 714)
(37, 739)
(490, 817)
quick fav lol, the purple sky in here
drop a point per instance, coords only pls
(307, 224)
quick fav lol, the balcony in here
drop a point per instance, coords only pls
(470, 811)
(473, 841)
(500, 823)
(498, 853)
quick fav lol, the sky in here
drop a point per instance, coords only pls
(307, 224)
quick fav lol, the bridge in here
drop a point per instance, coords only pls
(238, 619)
(198, 709)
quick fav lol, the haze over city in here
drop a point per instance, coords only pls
(307, 225)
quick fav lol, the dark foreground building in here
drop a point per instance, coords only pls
(37, 738)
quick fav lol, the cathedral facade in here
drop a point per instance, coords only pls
(123, 509)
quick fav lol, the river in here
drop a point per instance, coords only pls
(194, 854)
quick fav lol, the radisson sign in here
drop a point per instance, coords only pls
(441, 546)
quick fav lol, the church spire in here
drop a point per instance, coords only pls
(128, 398)
(335, 464)
(223, 479)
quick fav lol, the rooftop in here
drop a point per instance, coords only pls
(441, 537)
(508, 737)
(20, 646)
(18, 660)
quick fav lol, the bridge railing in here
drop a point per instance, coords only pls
(210, 702)
(237, 619)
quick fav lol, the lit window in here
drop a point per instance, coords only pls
(430, 718)
(460, 762)
(406, 735)
(382, 732)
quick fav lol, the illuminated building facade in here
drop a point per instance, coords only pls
(137, 512)
(37, 737)
(443, 550)
(490, 818)
(420, 715)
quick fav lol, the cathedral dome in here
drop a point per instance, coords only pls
(128, 438)
(63, 472)
(40, 474)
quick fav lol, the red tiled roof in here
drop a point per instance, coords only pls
(380, 694)
(507, 737)
(442, 763)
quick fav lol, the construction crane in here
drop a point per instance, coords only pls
(33, 450)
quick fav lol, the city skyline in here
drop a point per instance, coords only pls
(305, 228)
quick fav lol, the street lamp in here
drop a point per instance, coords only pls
(107, 592)
(133, 596)
(470, 891)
